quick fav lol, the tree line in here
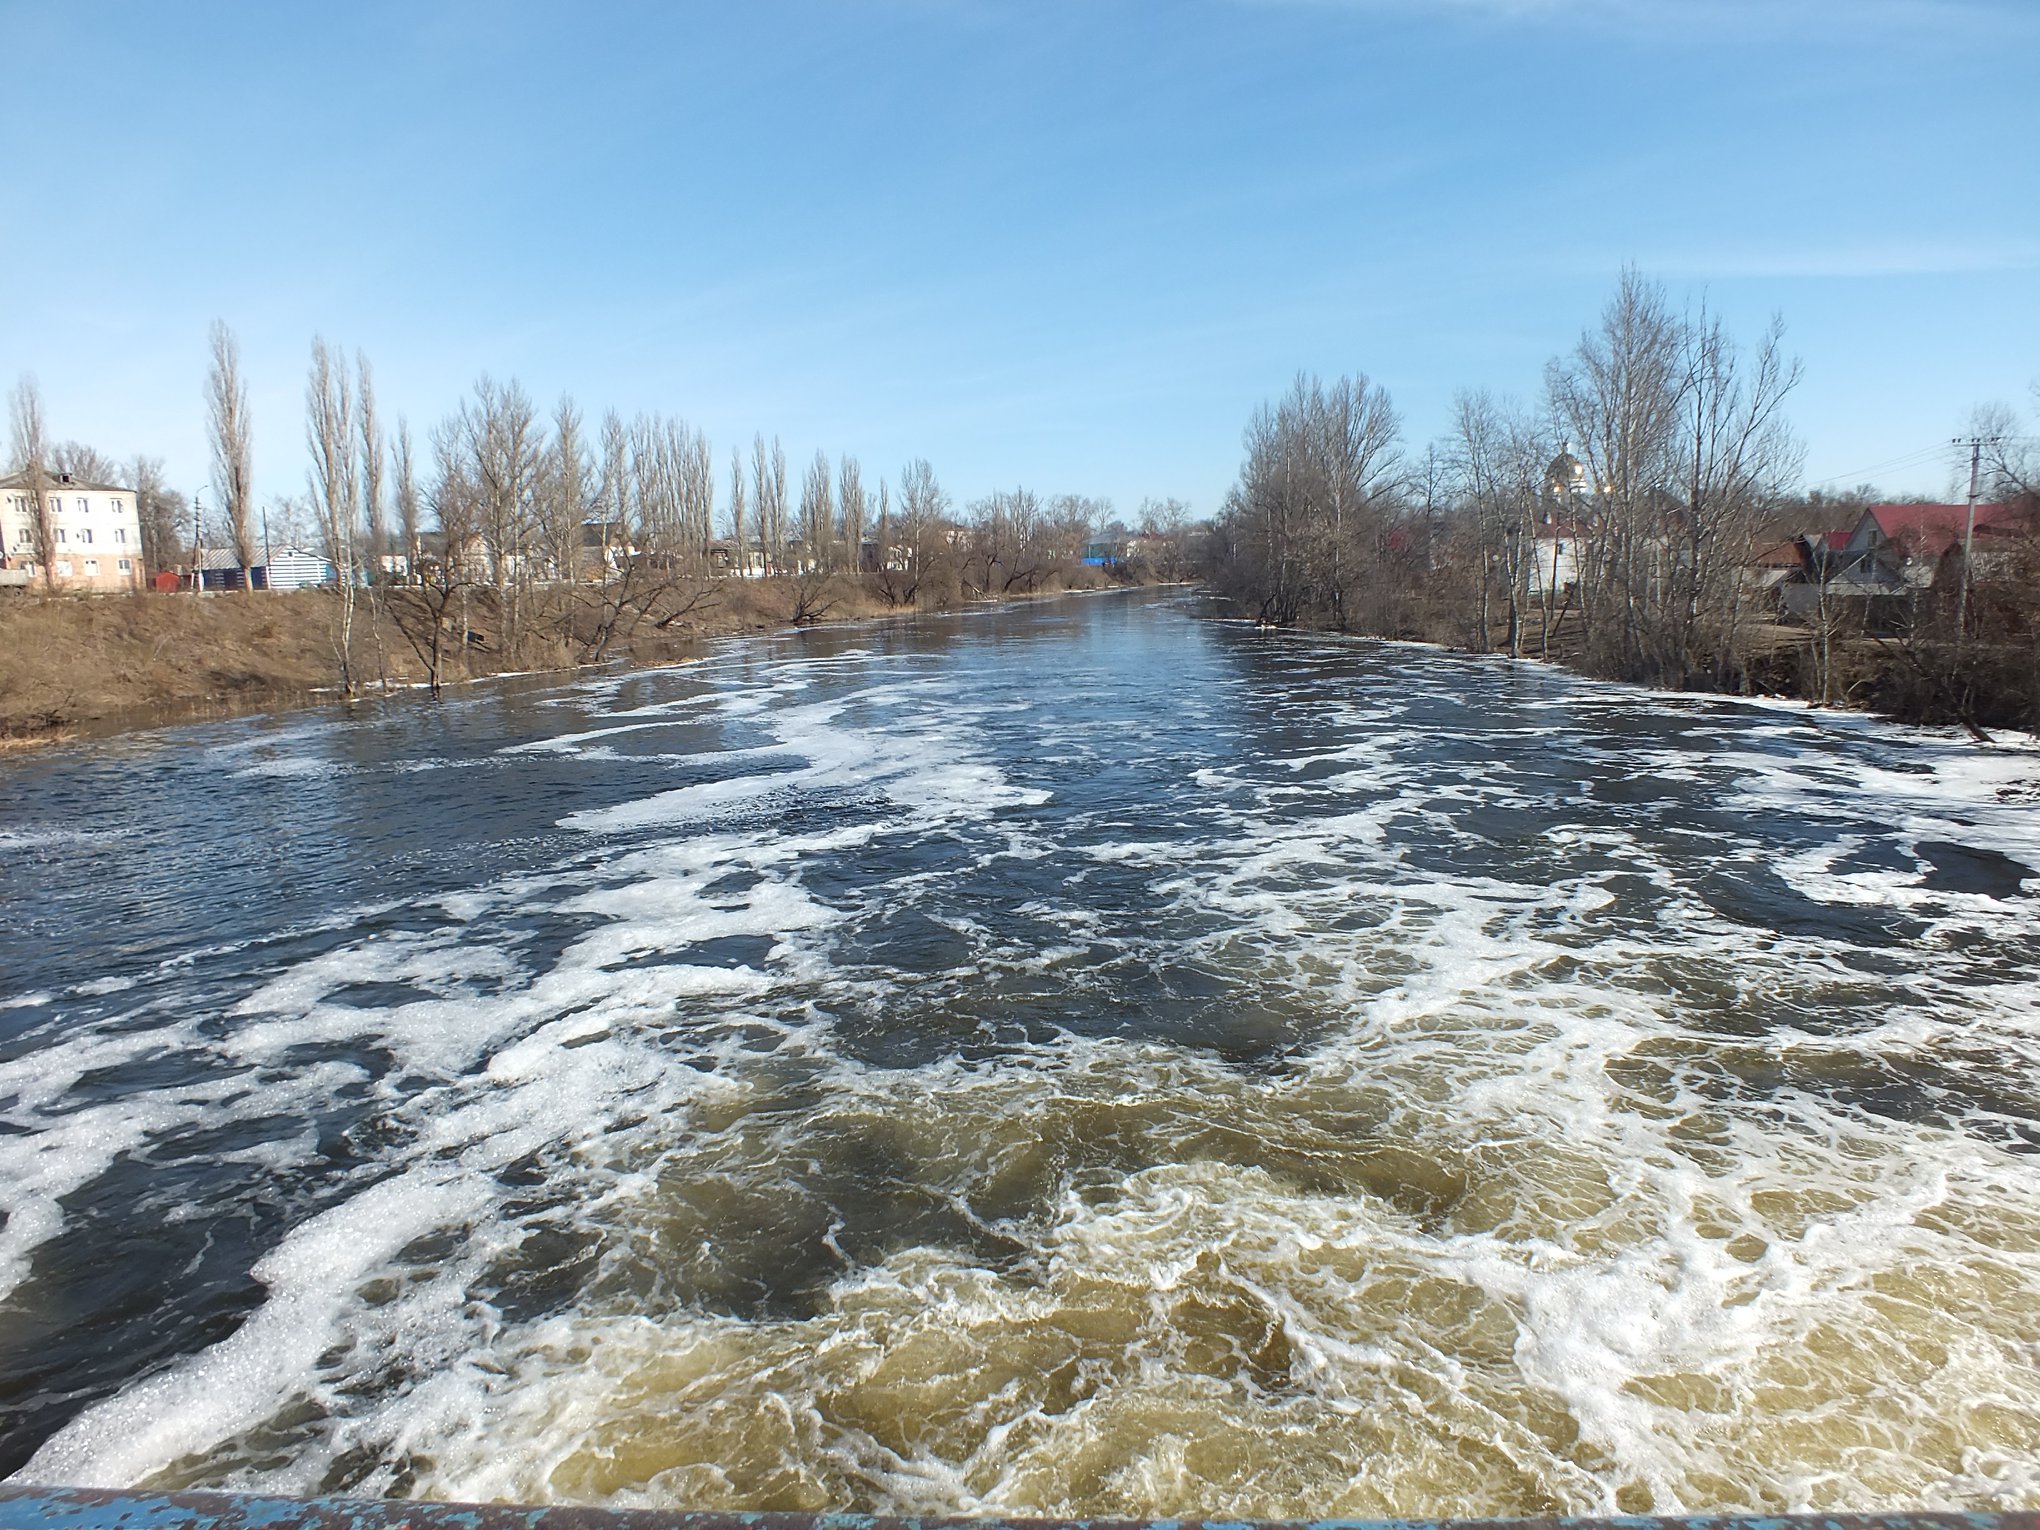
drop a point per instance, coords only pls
(1611, 522)
(550, 536)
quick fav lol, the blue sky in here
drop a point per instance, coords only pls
(1067, 243)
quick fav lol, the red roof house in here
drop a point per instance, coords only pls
(1914, 539)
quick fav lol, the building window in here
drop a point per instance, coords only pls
(85, 535)
(64, 567)
(120, 533)
(127, 565)
(91, 565)
(116, 507)
(60, 533)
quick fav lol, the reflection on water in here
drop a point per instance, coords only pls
(1087, 1060)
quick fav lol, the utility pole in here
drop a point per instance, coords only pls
(1976, 444)
(197, 545)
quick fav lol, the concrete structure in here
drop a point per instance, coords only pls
(94, 528)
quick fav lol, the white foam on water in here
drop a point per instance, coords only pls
(100, 987)
(42, 838)
(929, 768)
(1549, 1204)
(291, 768)
(243, 1379)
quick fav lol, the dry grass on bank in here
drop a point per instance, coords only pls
(71, 660)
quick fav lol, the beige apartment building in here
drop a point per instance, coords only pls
(95, 535)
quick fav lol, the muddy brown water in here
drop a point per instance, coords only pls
(1083, 1059)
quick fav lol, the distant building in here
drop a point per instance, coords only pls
(282, 568)
(1553, 566)
(1554, 562)
(1908, 543)
(1771, 565)
(1895, 552)
(95, 534)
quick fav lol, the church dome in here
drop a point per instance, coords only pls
(1567, 474)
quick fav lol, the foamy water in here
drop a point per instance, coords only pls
(1088, 1060)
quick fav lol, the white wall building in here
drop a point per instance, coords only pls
(95, 535)
(1554, 563)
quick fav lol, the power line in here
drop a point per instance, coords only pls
(1911, 459)
(1976, 444)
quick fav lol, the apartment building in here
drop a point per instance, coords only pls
(95, 534)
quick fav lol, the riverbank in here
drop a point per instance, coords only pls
(1983, 689)
(107, 663)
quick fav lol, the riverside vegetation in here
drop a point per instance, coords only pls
(519, 542)
(1660, 455)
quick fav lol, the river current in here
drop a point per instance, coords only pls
(1081, 1059)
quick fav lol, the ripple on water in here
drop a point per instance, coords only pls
(1375, 1084)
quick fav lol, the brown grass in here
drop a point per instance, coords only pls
(72, 660)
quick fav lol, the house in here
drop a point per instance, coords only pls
(292, 568)
(282, 568)
(1771, 564)
(1893, 553)
(606, 546)
(1911, 542)
(94, 532)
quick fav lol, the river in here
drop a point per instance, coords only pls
(1086, 1058)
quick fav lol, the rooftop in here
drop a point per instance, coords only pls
(19, 480)
(1931, 530)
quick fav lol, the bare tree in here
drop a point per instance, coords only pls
(31, 462)
(83, 464)
(885, 527)
(1496, 459)
(1619, 396)
(228, 424)
(817, 514)
(740, 557)
(160, 510)
(697, 493)
(2008, 458)
(569, 492)
(1310, 519)
(373, 500)
(336, 487)
(768, 493)
(850, 498)
(1739, 459)
(406, 473)
(911, 535)
(432, 613)
(612, 493)
(505, 461)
